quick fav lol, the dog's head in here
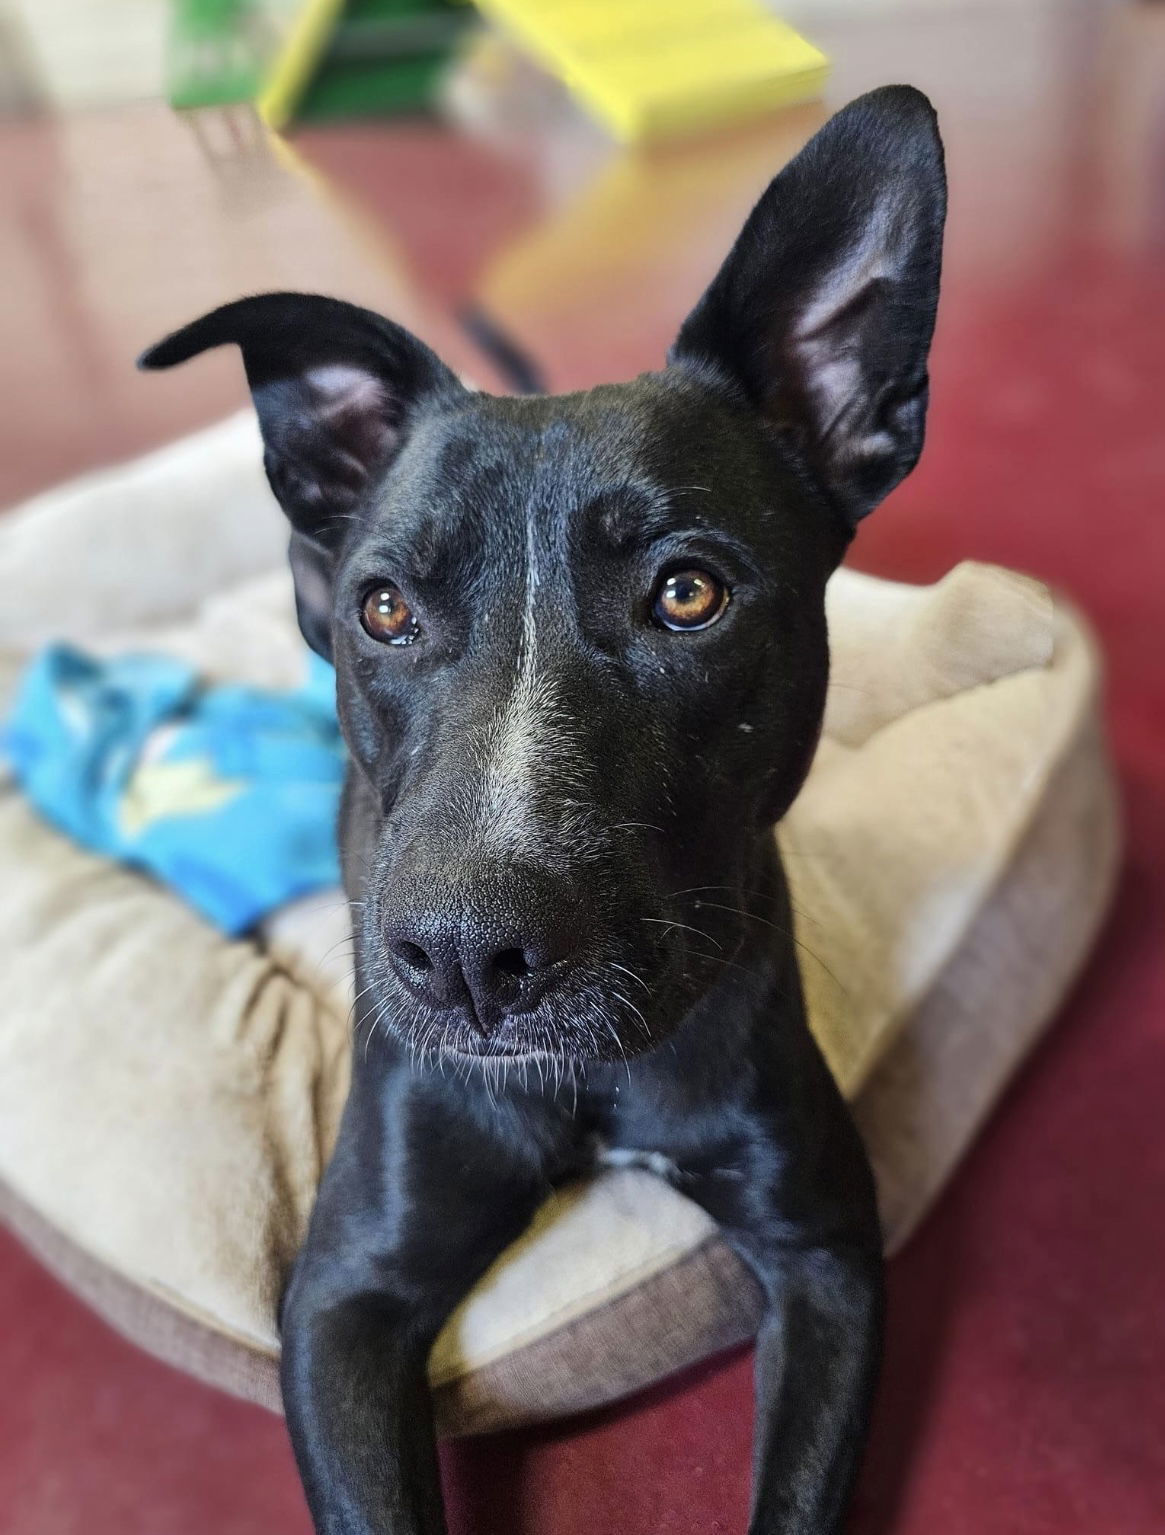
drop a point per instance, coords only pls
(580, 642)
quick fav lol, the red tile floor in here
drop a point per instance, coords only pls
(1024, 1389)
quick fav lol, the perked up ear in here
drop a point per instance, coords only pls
(823, 312)
(334, 387)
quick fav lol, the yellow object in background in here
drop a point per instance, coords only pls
(298, 59)
(652, 69)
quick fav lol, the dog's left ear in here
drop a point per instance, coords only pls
(335, 389)
(823, 312)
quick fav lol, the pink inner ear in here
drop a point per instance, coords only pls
(823, 337)
(353, 407)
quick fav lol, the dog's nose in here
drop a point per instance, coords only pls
(449, 959)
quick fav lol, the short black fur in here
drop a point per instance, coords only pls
(573, 935)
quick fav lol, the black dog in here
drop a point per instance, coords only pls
(581, 659)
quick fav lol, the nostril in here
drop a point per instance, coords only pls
(414, 955)
(512, 962)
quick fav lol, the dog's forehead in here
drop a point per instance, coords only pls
(587, 441)
(606, 455)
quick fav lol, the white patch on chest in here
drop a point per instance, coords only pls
(627, 1156)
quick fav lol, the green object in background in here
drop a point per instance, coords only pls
(386, 56)
(355, 58)
(311, 58)
(217, 50)
(363, 89)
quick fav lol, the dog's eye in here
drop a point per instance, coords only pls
(387, 617)
(689, 599)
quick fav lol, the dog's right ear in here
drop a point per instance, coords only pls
(334, 387)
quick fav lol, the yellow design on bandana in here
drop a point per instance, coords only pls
(161, 789)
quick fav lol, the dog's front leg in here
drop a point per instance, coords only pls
(794, 1194)
(413, 1207)
(357, 1401)
(816, 1366)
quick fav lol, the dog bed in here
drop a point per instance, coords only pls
(168, 1097)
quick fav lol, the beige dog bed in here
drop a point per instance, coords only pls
(168, 1097)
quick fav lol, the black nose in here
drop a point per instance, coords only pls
(497, 964)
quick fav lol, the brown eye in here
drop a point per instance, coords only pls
(689, 599)
(387, 616)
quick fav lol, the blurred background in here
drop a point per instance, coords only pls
(430, 162)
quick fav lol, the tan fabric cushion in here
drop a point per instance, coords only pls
(168, 1097)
